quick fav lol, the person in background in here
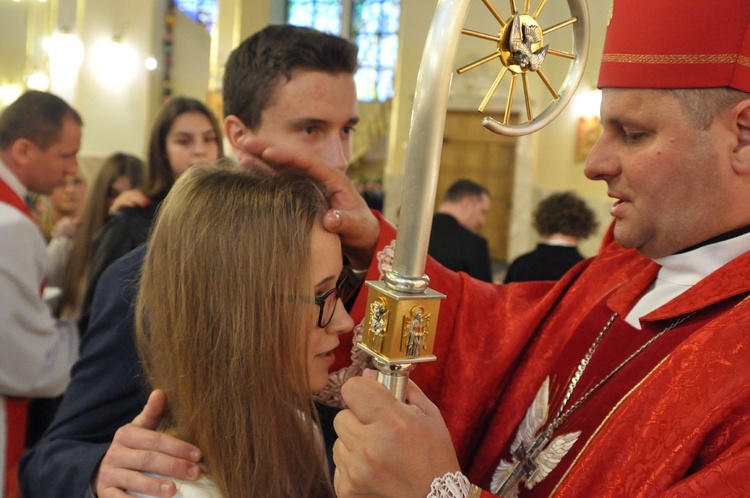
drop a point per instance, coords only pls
(119, 172)
(40, 135)
(288, 85)
(185, 132)
(237, 317)
(454, 239)
(63, 206)
(562, 220)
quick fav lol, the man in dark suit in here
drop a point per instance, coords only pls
(454, 241)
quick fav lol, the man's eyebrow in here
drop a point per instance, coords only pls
(307, 121)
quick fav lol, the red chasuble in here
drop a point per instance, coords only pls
(15, 408)
(674, 422)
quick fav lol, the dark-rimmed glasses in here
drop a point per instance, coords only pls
(326, 303)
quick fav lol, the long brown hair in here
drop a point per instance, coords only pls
(93, 217)
(160, 175)
(222, 326)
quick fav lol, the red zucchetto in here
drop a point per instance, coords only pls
(677, 44)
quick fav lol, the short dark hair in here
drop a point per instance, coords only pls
(254, 67)
(160, 176)
(564, 213)
(464, 188)
(36, 116)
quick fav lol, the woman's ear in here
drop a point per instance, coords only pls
(741, 153)
(234, 129)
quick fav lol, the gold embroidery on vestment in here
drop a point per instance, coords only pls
(678, 59)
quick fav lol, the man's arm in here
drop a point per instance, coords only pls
(106, 392)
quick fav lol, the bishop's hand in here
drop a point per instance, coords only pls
(387, 448)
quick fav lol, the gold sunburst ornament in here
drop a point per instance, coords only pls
(520, 47)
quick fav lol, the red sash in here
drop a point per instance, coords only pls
(15, 408)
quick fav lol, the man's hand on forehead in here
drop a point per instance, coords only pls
(349, 215)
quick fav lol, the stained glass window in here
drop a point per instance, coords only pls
(373, 25)
(202, 11)
(323, 15)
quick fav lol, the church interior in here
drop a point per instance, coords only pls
(115, 62)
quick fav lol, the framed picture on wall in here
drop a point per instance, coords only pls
(589, 130)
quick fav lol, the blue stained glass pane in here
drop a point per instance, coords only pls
(385, 84)
(390, 17)
(368, 50)
(300, 15)
(328, 18)
(366, 81)
(388, 50)
(370, 22)
(323, 15)
(202, 11)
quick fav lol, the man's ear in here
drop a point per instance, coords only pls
(21, 152)
(741, 153)
(234, 129)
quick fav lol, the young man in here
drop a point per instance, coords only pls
(40, 135)
(631, 376)
(454, 240)
(291, 86)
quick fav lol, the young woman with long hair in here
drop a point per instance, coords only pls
(237, 317)
(185, 132)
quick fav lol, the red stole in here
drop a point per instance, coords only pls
(15, 408)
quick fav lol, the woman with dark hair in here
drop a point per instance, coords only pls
(562, 220)
(237, 317)
(185, 132)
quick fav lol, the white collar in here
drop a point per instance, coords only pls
(691, 267)
(12, 180)
(681, 271)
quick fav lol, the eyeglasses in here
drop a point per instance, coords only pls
(326, 303)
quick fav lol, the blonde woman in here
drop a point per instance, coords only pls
(237, 318)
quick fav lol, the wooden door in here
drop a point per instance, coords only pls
(473, 152)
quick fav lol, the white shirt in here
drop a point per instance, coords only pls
(679, 272)
(202, 488)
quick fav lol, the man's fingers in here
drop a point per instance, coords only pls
(153, 411)
(418, 399)
(133, 437)
(254, 164)
(359, 231)
(367, 399)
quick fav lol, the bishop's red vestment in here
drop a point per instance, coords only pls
(675, 421)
